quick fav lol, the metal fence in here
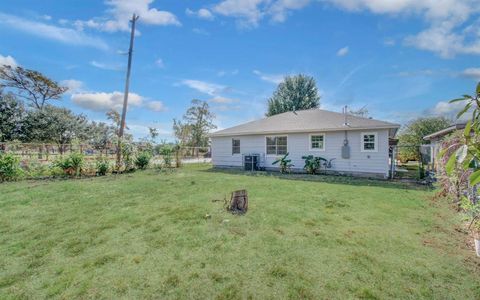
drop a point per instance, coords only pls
(412, 162)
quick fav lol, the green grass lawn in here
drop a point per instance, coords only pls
(145, 235)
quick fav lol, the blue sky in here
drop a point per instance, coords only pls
(402, 58)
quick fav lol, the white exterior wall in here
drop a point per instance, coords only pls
(299, 145)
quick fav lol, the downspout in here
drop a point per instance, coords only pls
(345, 147)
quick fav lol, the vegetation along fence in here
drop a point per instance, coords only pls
(50, 152)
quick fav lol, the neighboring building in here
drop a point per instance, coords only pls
(356, 146)
(437, 138)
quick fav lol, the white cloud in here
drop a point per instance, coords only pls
(222, 73)
(202, 13)
(343, 51)
(120, 12)
(424, 72)
(222, 100)
(51, 32)
(8, 61)
(211, 89)
(432, 9)
(443, 40)
(105, 66)
(471, 73)
(73, 85)
(159, 63)
(247, 11)
(444, 108)
(273, 78)
(250, 12)
(200, 31)
(97, 101)
(156, 106)
(105, 101)
(279, 9)
(446, 35)
(389, 42)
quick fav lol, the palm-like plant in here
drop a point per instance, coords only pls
(285, 163)
(465, 154)
(313, 164)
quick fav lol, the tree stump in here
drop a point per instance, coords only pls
(239, 202)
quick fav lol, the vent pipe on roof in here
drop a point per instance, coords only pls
(345, 113)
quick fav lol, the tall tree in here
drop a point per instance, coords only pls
(33, 86)
(197, 123)
(411, 135)
(294, 93)
(12, 113)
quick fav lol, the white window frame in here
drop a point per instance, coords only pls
(362, 143)
(239, 147)
(274, 136)
(310, 141)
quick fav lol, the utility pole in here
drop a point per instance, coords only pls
(125, 95)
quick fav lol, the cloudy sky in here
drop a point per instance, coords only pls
(400, 58)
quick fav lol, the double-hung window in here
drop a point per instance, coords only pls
(235, 146)
(276, 145)
(317, 142)
(369, 142)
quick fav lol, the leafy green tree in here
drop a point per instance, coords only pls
(12, 113)
(32, 86)
(197, 123)
(411, 136)
(54, 125)
(294, 93)
(100, 135)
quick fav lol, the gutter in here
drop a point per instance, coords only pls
(301, 131)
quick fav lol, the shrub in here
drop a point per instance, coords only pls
(33, 168)
(102, 166)
(285, 163)
(71, 165)
(167, 153)
(143, 159)
(9, 167)
(313, 164)
(128, 154)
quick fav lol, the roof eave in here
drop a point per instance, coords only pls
(220, 134)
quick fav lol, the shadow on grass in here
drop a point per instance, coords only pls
(333, 179)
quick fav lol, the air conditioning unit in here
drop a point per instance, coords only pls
(251, 162)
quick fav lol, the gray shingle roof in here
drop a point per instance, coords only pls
(312, 120)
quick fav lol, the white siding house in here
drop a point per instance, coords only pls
(311, 132)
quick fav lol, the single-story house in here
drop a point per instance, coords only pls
(435, 140)
(355, 145)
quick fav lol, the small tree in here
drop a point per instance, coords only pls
(197, 123)
(30, 85)
(411, 135)
(12, 113)
(294, 93)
